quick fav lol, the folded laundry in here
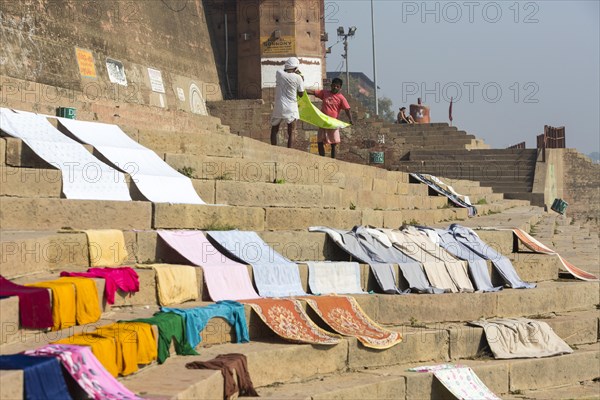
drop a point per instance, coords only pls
(225, 279)
(121, 278)
(228, 364)
(64, 312)
(344, 315)
(197, 318)
(35, 311)
(88, 372)
(43, 377)
(287, 318)
(87, 306)
(106, 247)
(174, 283)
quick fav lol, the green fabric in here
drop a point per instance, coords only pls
(311, 114)
(170, 326)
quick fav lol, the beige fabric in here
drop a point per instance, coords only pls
(443, 270)
(522, 338)
(175, 283)
(106, 247)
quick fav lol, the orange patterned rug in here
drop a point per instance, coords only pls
(287, 318)
(345, 316)
(535, 245)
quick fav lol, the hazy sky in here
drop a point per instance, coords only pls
(512, 67)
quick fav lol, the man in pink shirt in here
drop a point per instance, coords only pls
(333, 103)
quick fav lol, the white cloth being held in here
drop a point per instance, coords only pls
(288, 84)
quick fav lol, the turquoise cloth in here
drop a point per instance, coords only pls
(311, 114)
(197, 318)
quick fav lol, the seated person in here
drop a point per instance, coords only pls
(403, 118)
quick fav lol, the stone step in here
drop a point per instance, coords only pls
(588, 390)
(398, 383)
(53, 214)
(11, 384)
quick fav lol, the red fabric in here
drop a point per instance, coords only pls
(123, 278)
(332, 103)
(35, 311)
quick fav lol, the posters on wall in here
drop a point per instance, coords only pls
(116, 72)
(85, 60)
(156, 82)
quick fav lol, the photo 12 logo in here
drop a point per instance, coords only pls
(453, 12)
(489, 92)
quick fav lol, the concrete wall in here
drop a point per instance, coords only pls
(67, 44)
(581, 186)
(549, 176)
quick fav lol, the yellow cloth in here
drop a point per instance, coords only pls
(63, 302)
(175, 283)
(147, 343)
(126, 347)
(311, 114)
(104, 349)
(106, 247)
(87, 301)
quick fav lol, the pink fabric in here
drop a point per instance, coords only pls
(225, 279)
(332, 103)
(85, 368)
(123, 278)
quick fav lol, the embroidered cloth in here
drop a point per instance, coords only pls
(344, 315)
(287, 318)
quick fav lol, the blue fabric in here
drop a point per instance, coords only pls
(477, 265)
(274, 275)
(42, 375)
(502, 264)
(197, 318)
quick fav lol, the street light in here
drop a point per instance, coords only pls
(345, 36)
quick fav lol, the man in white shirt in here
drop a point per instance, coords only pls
(288, 85)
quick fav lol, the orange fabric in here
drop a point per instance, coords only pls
(63, 302)
(345, 316)
(87, 301)
(288, 319)
(103, 348)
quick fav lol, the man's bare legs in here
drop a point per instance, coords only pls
(290, 128)
(274, 132)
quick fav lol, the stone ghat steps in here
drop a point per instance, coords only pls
(33, 252)
(414, 310)
(55, 214)
(506, 378)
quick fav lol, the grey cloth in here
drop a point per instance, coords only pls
(502, 264)
(360, 244)
(386, 277)
(477, 265)
(522, 338)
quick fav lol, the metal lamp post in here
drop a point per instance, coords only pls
(342, 34)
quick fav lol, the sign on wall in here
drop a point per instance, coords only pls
(156, 82)
(280, 46)
(116, 72)
(85, 60)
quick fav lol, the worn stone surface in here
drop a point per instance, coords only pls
(40, 214)
(11, 385)
(29, 182)
(9, 318)
(269, 195)
(299, 218)
(207, 217)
